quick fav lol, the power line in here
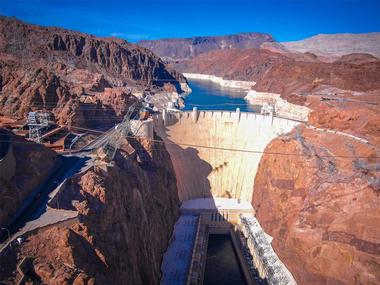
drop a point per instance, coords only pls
(218, 148)
(242, 150)
(221, 148)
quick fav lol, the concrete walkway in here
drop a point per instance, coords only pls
(338, 133)
(50, 218)
(177, 259)
(216, 204)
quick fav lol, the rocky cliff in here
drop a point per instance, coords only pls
(59, 70)
(29, 173)
(127, 210)
(185, 48)
(320, 205)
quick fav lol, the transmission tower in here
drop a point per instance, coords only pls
(123, 130)
(37, 121)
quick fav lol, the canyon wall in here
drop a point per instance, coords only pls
(7, 158)
(28, 173)
(127, 210)
(201, 147)
(67, 72)
(320, 205)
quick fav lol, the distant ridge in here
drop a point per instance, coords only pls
(179, 49)
(338, 44)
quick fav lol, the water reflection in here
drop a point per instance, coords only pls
(222, 266)
(207, 95)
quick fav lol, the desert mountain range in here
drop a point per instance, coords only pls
(178, 49)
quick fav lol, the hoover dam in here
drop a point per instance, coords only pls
(215, 155)
(129, 155)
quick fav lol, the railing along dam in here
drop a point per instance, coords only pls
(217, 153)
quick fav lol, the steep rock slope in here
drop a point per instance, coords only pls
(127, 211)
(321, 207)
(185, 48)
(338, 44)
(29, 173)
(48, 68)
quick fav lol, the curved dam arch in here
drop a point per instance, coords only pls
(203, 145)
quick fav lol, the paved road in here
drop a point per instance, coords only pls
(99, 142)
(35, 206)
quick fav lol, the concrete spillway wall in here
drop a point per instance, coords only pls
(265, 259)
(217, 153)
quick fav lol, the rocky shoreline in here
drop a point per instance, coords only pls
(222, 82)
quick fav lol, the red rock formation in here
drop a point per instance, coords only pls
(279, 73)
(322, 208)
(127, 212)
(47, 68)
(356, 118)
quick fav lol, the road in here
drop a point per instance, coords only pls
(99, 142)
(35, 206)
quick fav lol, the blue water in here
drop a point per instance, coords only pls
(222, 265)
(207, 95)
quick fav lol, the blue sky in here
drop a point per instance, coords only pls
(134, 20)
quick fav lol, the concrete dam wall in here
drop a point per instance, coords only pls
(217, 153)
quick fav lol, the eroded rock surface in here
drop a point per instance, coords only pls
(127, 211)
(63, 71)
(321, 206)
(279, 73)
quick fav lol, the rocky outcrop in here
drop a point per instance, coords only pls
(185, 48)
(338, 44)
(54, 69)
(29, 173)
(319, 203)
(127, 210)
(356, 118)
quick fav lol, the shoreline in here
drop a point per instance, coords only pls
(237, 84)
(255, 98)
(281, 106)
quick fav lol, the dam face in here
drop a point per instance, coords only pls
(217, 153)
